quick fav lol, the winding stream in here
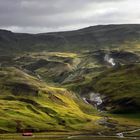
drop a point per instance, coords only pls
(96, 100)
(117, 137)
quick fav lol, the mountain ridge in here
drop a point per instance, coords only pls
(86, 39)
(88, 27)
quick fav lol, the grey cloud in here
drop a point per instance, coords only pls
(52, 15)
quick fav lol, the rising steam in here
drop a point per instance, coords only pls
(110, 60)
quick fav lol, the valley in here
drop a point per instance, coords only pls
(85, 81)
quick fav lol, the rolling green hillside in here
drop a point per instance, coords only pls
(121, 87)
(118, 87)
(27, 103)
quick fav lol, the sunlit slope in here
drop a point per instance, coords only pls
(27, 103)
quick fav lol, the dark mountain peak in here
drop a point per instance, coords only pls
(2, 31)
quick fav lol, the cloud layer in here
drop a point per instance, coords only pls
(55, 15)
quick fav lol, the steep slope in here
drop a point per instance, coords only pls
(118, 87)
(122, 88)
(29, 104)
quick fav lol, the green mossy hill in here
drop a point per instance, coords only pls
(87, 39)
(69, 68)
(121, 86)
(29, 104)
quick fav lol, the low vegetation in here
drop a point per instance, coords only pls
(27, 103)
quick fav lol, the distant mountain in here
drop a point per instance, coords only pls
(91, 38)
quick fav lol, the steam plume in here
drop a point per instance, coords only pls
(110, 60)
(96, 98)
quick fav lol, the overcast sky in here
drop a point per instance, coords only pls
(34, 16)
